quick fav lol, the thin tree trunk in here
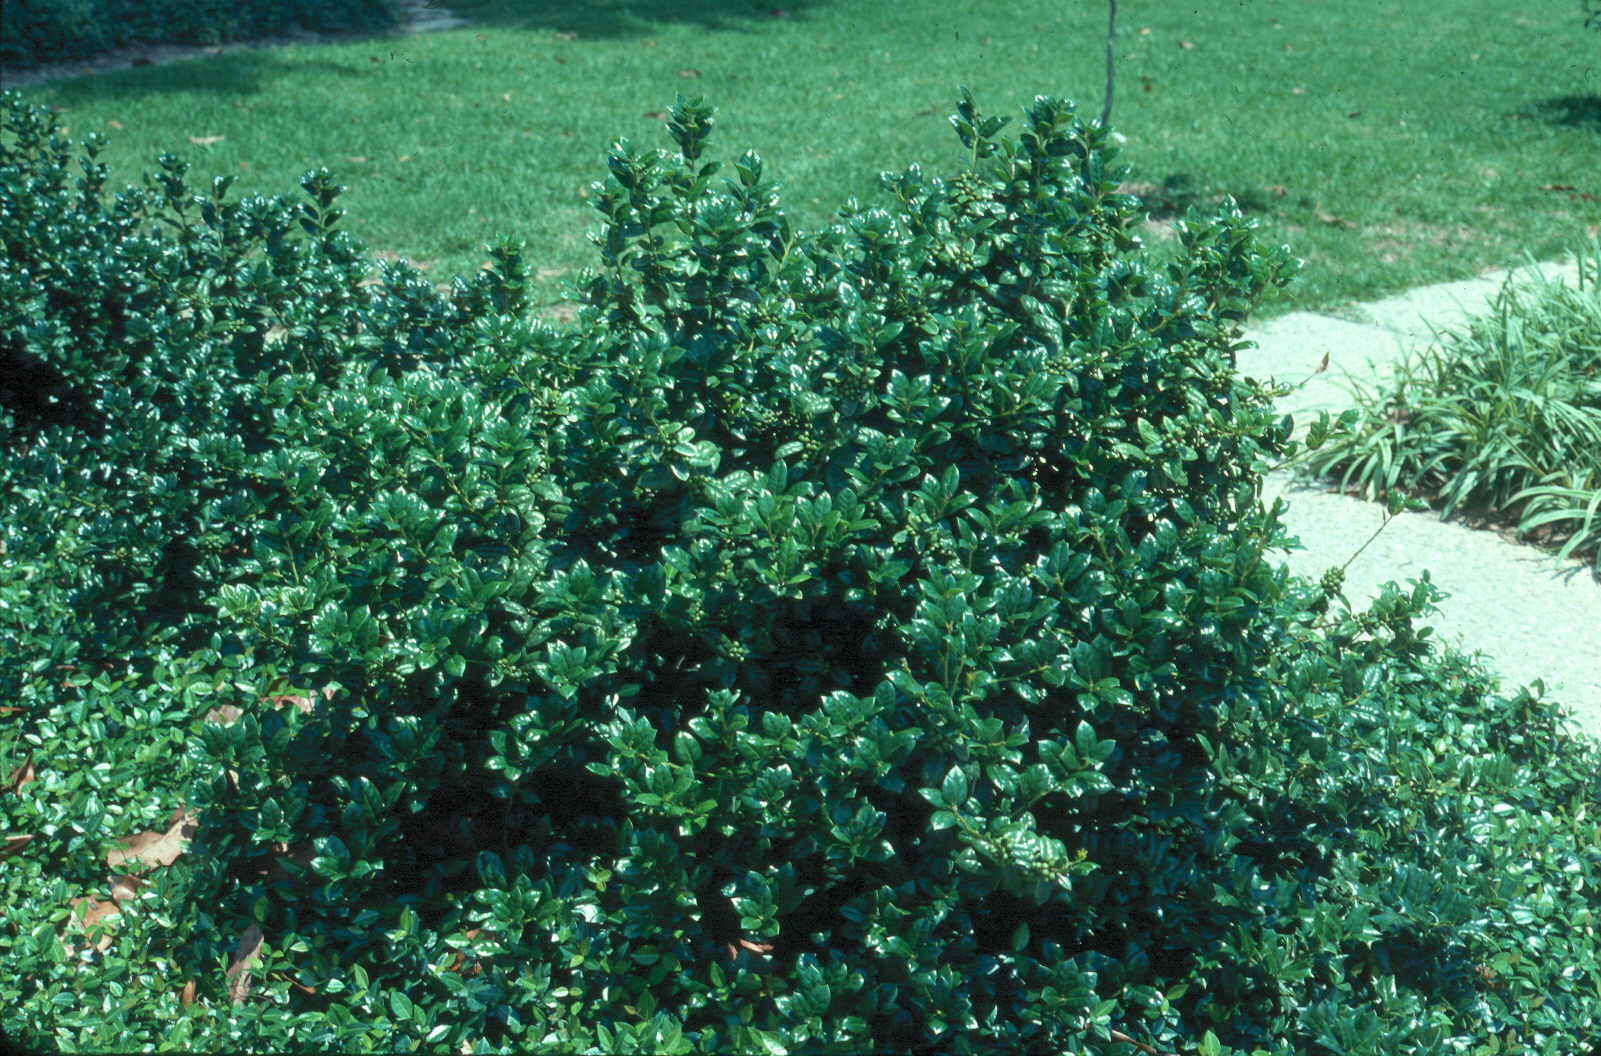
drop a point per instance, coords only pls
(1111, 39)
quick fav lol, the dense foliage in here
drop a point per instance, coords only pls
(860, 640)
(33, 32)
(1499, 418)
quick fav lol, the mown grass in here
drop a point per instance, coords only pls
(1388, 144)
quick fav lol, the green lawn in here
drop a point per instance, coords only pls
(1387, 143)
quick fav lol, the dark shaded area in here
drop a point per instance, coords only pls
(35, 32)
(1180, 191)
(241, 72)
(1572, 111)
(36, 396)
(623, 18)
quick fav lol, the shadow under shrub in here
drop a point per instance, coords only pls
(860, 640)
(35, 32)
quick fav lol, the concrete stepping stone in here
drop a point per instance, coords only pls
(1532, 616)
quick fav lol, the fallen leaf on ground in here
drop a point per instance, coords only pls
(154, 848)
(125, 887)
(689, 71)
(97, 912)
(357, 159)
(566, 36)
(1145, 31)
(15, 844)
(651, 43)
(306, 703)
(1278, 189)
(759, 948)
(21, 775)
(1186, 45)
(1557, 187)
(114, 123)
(1332, 220)
(206, 141)
(660, 115)
(244, 956)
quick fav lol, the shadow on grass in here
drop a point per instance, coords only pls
(1572, 111)
(1179, 191)
(243, 71)
(624, 18)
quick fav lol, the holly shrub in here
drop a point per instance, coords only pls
(861, 640)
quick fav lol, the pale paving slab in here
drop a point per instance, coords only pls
(1449, 305)
(1531, 616)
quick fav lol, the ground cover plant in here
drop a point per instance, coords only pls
(1392, 145)
(33, 32)
(1498, 419)
(867, 639)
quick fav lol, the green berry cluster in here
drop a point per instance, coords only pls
(1332, 581)
(856, 382)
(957, 258)
(969, 193)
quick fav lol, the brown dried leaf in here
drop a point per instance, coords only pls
(689, 71)
(566, 36)
(113, 123)
(188, 995)
(206, 141)
(660, 115)
(15, 844)
(227, 714)
(154, 848)
(244, 956)
(125, 887)
(21, 775)
(1332, 220)
(97, 912)
(305, 703)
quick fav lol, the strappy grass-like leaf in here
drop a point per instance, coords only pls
(1503, 414)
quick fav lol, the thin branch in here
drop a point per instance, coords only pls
(1111, 43)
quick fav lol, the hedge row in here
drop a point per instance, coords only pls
(861, 640)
